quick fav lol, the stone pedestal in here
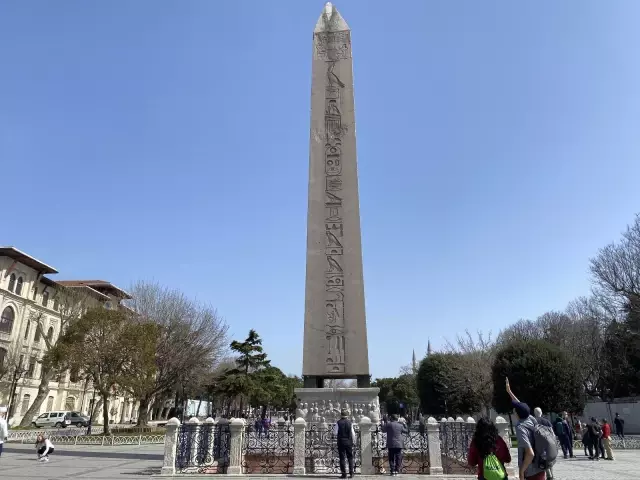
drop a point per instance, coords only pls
(236, 432)
(323, 405)
(435, 449)
(170, 440)
(365, 444)
(505, 433)
(299, 444)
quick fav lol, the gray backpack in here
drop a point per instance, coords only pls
(545, 448)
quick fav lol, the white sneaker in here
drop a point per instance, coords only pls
(46, 459)
(41, 459)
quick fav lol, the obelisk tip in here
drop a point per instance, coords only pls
(331, 20)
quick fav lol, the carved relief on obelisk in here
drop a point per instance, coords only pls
(335, 338)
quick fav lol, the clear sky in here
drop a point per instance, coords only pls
(168, 140)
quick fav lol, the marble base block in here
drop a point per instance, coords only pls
(323, 405)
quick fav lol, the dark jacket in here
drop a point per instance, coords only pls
(394, 434)
(344, 432)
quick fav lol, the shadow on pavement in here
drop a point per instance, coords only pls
(79, 453)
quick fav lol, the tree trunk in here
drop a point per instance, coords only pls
(105, 412)
(96, 409)
(199, 405)
(43, 393)
(143, 412)
(124, 411)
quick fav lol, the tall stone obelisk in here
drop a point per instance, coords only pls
(335, 331)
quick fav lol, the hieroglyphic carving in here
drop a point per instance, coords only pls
(331, 47)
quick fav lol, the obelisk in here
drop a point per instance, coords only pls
(335, 330)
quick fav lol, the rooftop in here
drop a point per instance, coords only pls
(98, 285)
(28, 260)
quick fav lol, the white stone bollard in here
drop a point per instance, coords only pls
(505, 433)
(435, 450)
(195, 434)
(170, 440)
(366, 452)
(236, 431)
(210, 424)
(299, 446)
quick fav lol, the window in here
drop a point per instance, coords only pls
(19, 286)
(74, 375)
(44, 415)
(25, 403)
(50, 334)
(49, 404)
(26, 330)
(3, 357)
(32, 368)
(6, 320)
(35, 293)
(12, 282)
(56, 304)
(38, 336)
(70, 404)
(45, 299)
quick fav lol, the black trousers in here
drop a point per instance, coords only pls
(395, 460)
(41, 450)
(345, 452)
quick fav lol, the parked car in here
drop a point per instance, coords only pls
(60, 419)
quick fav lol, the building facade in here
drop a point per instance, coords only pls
(33, 309)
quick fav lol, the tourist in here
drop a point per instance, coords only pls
(488, 451)
(606, 438)
(4, 430)
(565, 435)
(395, 443)
(266, 424)
(44, 448)
(595, 433)
(537, 412)
(345, 437)
(619, 424)
(587, 441)
(258, 426)
(524, 432)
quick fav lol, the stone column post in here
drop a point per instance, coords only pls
(210, 424)
(505, 432)
(194, 435)
(435, 453)
(236, 431)
(366, 449)
(170, 441)
(299, 446)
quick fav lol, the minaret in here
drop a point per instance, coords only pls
(414, 363)
(428, 347)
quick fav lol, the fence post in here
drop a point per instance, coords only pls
(236, 430)
(170, 441)
(140, 439)
(299, 446)
(210, 424)
(435, 453)
(365, 446)
(505, 433)
(195, 434)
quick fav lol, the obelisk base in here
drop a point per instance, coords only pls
(323, 405)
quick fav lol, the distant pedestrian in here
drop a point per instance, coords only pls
(606, 438)
(619, 424)
(595, 433)
(422, 425)
(258, 426)
(488, 451)
(564, 432)
(395, 443)
(345, 437)
(586, 440)
(44, 448)
(4, 430)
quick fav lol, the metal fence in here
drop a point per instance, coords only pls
(203, 448)
(268, 451)
(30, 435)
(415, 455)
(321, 450)
(455, 438)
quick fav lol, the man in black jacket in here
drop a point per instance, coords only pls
(395, 443)
(346, 437)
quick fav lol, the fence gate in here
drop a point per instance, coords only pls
(268, 451)
(415, 455)
(203, 448)
(321, 450)
(455, 438)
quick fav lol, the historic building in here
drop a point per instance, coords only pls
(32, 310)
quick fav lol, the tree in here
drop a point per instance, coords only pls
(242, 380)
(72, 303)
(443, 389)
(113, 350)
(191, 342)
(540, 373)
(339, 383)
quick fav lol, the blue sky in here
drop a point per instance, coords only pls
(168, 141)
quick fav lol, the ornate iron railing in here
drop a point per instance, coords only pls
(321, 450)
(268, 451)
(22, 435)
(203, 448)
(415, 454)
(455, 438)
(102, 440)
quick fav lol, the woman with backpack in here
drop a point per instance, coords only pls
(488, 451)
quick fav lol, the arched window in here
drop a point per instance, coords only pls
(70, 404)
(25, 403)
(38, 336)
(12, 282)
(19, 286)
(6, 320)
(74, 375)
(45, 299)
(50, 334)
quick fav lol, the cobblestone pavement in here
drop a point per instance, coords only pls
(625, 466)
(19, 462)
